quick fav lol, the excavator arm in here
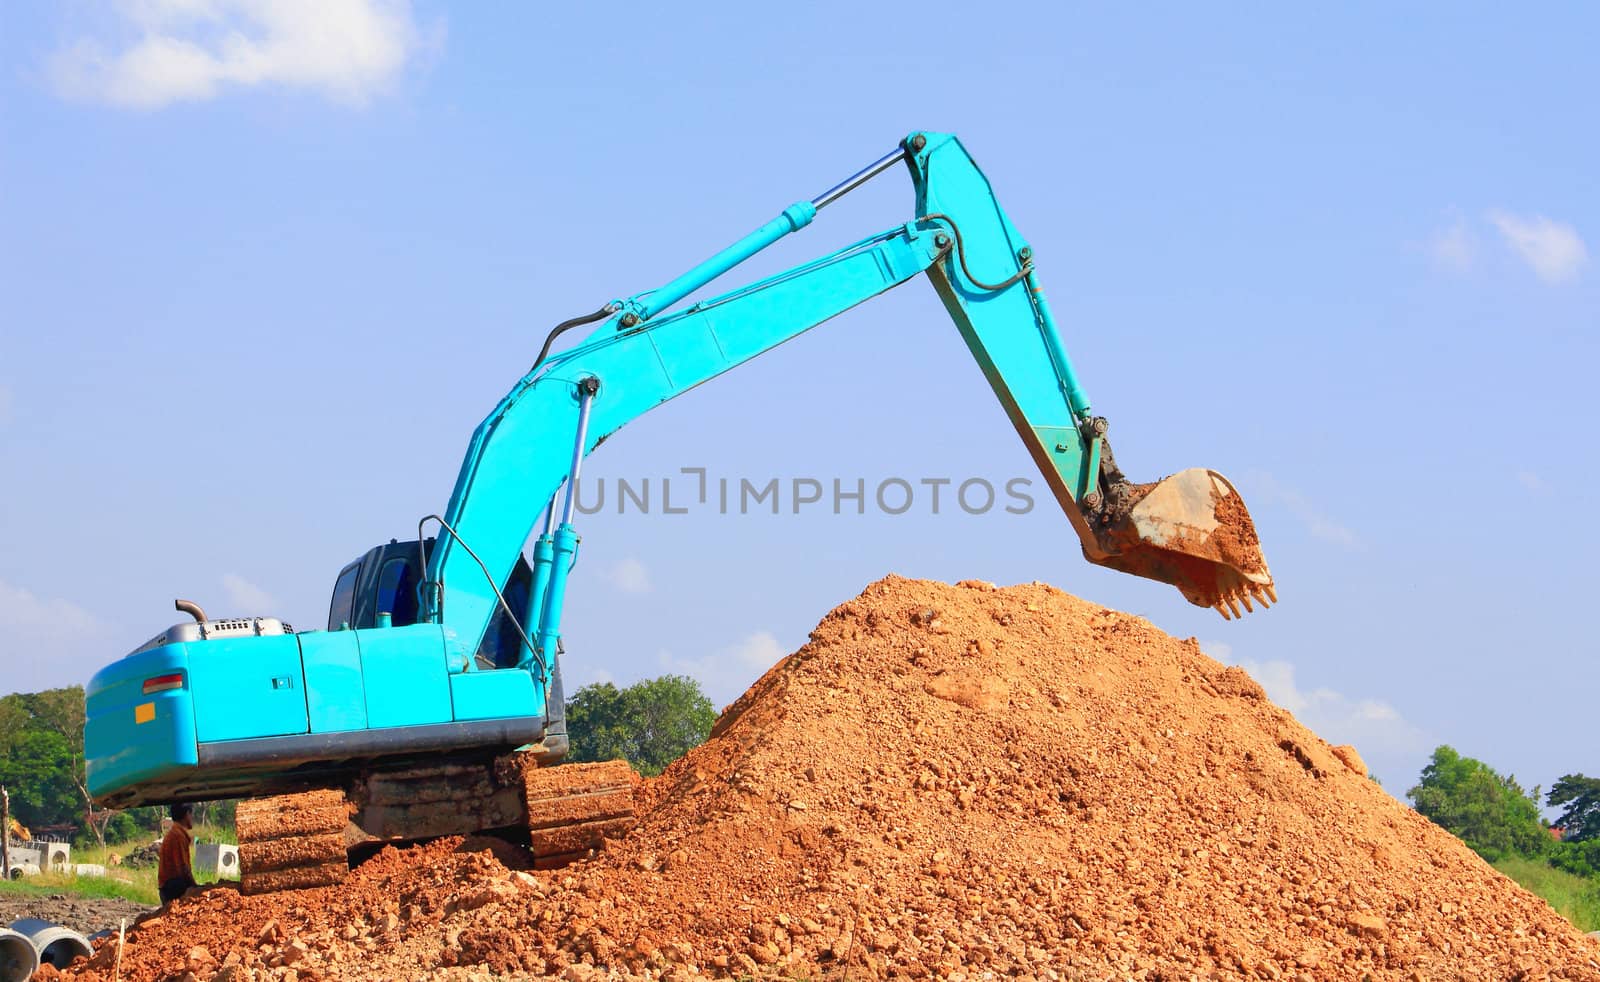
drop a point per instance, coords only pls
(1190, 530)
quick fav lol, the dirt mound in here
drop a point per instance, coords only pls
(945, 782)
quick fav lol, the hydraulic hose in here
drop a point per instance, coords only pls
(961, 255)
(568, 325)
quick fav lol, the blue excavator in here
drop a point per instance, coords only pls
(432, 704)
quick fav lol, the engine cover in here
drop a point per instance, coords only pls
(229, 627)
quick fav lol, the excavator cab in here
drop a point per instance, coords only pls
(380, 587)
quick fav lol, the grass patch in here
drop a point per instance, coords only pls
(120, 882)
(141, 889)
(1574, 897)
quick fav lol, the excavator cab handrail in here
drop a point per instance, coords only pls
(428, 585)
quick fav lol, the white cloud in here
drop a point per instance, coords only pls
(1454, 247)
(1530, 480)
(1372, 726)
(630, 576)
(1554, 250)
(725, 673)
(1267, 488)
(23, 613)
(759, 651)
(245, 599)
(48, 642)
(190, 50)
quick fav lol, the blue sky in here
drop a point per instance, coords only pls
(264, 266)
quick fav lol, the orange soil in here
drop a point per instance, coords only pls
(946, 781)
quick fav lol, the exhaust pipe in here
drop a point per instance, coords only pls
(192, 609)
(53, 944)
(18, 959)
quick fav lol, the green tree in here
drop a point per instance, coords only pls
(1581, 858)
(218, 814)
(1581, 796)
(61, 711)
(123, 827)
(1489, 812)
(33, 767)
(13, 719)
(649, 724)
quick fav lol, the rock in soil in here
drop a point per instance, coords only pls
(945, 782)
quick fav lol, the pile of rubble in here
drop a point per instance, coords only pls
(141, 857)
(945, 782)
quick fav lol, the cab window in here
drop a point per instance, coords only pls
(397, 592)
(341, 610)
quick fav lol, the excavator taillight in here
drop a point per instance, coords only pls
(161, 683)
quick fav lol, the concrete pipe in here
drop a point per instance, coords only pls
(56, 945)
(18, 959)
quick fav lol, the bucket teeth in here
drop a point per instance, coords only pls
(1229, 596)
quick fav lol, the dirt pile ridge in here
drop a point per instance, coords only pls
(946, 781)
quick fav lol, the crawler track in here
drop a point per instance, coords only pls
(574, 808)
(295, 841)
(292, 841)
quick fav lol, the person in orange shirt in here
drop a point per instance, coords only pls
(173, 873)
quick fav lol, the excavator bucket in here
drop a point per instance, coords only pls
(1191, 530)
